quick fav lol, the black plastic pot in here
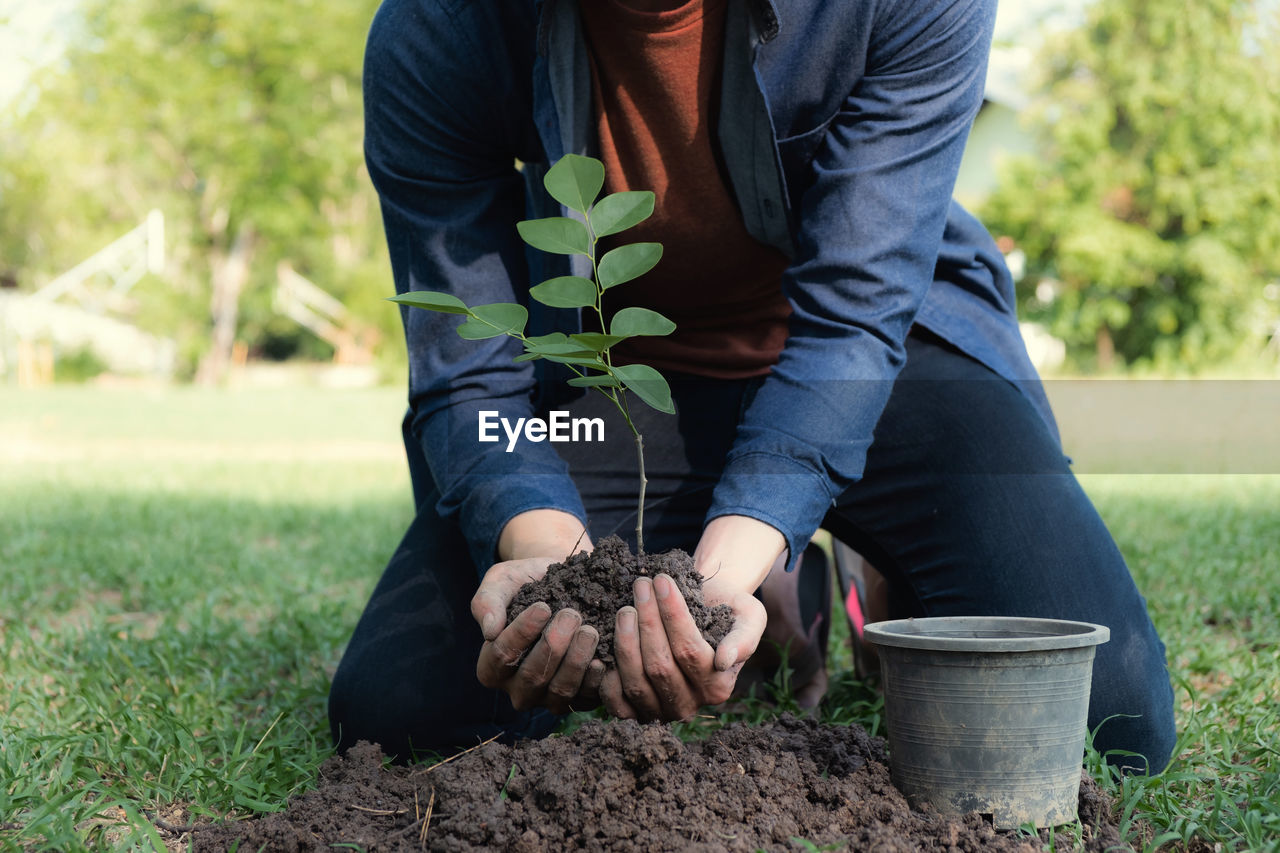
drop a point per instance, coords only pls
(988, 713)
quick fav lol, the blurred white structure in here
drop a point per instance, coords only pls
(998, 134)
(70, 313)
(302, 301)
(1047, 352)
(123, 261)
(121, 346)
(1021, 29)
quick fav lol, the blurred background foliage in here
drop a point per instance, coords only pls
(1149, 213)
(241, 121)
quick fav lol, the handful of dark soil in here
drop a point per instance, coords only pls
(598, 583)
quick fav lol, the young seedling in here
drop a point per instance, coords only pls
(576, 182)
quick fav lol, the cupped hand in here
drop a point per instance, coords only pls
(540, 659)
(665, 669)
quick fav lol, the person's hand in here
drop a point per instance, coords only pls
(665, 669)
(539, 659)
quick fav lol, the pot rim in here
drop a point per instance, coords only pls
(986, 633)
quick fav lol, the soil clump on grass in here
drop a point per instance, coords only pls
(597, 583)
(620, 786)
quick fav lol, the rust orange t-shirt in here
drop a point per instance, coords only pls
(655, 77)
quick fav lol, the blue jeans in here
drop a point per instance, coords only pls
(967, 507)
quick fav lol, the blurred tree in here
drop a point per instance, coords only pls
(1151, 217)
(242, 121)
(22, 182)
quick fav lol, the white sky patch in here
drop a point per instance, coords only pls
(32, 34)
(1021, 27)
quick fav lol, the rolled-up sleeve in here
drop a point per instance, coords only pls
(869, 227)
(437, 152)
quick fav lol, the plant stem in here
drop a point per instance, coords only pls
(643, 482)
(618, 396)
(618, 393)
(595, 279)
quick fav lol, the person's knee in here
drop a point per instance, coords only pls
(1141, 744)
(1164, 740)
(403, 728)
(1131, 714)
(365, 704)
(409, 725)
(350, 717)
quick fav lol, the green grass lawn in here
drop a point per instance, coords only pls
(179, 570)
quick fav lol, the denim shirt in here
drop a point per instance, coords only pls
(841, 127)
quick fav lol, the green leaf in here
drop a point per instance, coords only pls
(507, 316)
(432, 300)
(602, 380)
(553, 338)
(567, 291)
(648, 385)
(628, 262)
(556, 234)
(577, 350)
(559, 348)
(498, 318)
(556, 343)
(596, 341)
(478, 330)
(586, 360)
(619, 211)
(575, 181)
(640, 321)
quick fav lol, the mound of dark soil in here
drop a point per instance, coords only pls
(596, 584)
(622, 786)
